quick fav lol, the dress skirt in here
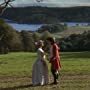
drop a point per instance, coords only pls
(40, 73)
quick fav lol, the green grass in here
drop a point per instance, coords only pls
(16, 64)
(16, 68)
(76, 63)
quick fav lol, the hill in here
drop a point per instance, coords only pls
(38, 15)
(72, 30)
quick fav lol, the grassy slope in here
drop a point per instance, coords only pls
(72, 30)
(15, 71)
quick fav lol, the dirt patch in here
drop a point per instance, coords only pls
(65, 81)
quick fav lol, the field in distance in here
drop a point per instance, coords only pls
(72, 30)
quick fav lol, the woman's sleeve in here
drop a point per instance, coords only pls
(42, 54)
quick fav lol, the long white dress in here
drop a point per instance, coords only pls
(40, 70)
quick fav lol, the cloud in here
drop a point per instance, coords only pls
(56, 3)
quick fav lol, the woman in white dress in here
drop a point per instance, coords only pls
(40, 68)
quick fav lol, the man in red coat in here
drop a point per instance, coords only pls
(54, 59)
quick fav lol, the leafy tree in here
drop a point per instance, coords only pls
(9, 38)
(28, 41)
(52, 28)
(45, 35)
(36, 36)
(76, 42)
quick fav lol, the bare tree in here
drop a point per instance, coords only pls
(4, 5)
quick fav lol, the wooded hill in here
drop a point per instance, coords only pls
(37, 15)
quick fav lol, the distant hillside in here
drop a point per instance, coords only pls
(38, 15)
(72, 30)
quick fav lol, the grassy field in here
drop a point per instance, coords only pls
(15, 72)
(72, 30)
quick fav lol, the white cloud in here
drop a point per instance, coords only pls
(52, 2)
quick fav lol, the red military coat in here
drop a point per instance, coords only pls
(55, 58)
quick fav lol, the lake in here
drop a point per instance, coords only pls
(34, 27)
(30, 27)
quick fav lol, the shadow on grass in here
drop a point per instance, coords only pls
(17, 87)
(27, 86)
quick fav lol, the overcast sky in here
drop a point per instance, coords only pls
(56, 3)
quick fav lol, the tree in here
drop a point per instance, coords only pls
(28, 41)
(6, 3)
(16, 42)
(76, 42)
(36, 36)
(44, 36)
(9, 38)
(52, 28)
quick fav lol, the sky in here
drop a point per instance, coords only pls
(51, 3)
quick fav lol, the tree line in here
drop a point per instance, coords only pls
(38, 15)
(76, 42)
(13, 41)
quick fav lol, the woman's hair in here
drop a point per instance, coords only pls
(51, 40)
(39, 43)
